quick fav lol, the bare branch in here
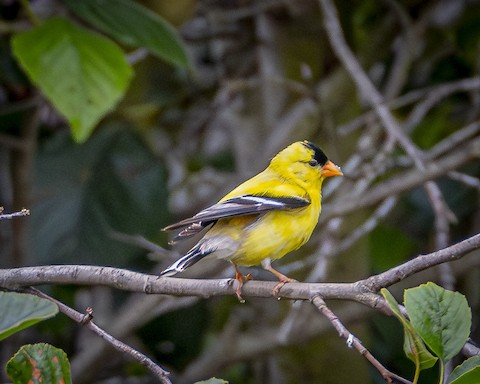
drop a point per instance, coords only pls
(454, 140)
(433, 98)
(365, 86)
(465, 179)
(375, 99)
(152, 284)
(86, 320)
(353, 341)
(137, 311)
(405, 50)
(464, 85)
(363, 291)
(4, 216)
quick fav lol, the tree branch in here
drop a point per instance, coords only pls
(4, 216)
(363, 291)
(86, 320)
(354, 342)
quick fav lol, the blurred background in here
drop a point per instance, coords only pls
(263, 75)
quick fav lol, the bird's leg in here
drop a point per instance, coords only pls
(266, 264)
(241, 278)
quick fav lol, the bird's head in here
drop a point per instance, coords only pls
(304, 161)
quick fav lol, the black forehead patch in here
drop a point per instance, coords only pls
(318, 155)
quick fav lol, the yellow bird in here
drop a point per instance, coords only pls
(263, 219)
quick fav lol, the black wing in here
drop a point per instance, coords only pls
(236, 206)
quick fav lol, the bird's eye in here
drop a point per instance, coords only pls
(313, 163)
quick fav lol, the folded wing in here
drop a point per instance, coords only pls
(236, 206)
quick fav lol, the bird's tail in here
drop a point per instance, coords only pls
(186, 261)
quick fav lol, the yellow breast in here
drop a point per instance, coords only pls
(275, 234)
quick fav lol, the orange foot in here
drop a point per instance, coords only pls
(281, 283)
(241, 278)
(280, 276)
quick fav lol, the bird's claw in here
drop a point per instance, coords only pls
(281, 283)
(238, 292)
(241, 280)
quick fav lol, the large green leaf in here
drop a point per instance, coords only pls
(82, 73)
(441, 317)
(466, 373)
(413, 345)
(134, 25)
(20, 311)
(39, 363)
(85, 193)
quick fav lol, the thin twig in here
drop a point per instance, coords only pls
(143, 243)
(406, 181)
(133, 314)
(468, 180)
(443, 217)
(4, 216)
(370, 224)
(404, 51)
(455, 139)
(463, 85)
(29, 12)
(376, 101)
(433, 98)
(86, 320)
(137, 56)
(354, 342)
(365, 86)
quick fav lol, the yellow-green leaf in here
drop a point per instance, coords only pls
(442, 318)
(81, 73)
(20, 311)
(413, 345)
(466, 373)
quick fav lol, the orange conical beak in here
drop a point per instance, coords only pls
(330, 169)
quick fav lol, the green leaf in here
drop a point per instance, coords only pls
(134, 25)
(20, 311)
(466, 373)
(442, 318)
(413, 345)
(39, 363)
(81, 73)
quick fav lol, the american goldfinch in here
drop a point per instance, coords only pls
(263, 219)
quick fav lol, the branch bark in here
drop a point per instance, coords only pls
(363, 291)
(86, 320)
